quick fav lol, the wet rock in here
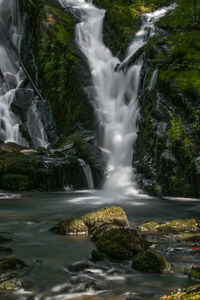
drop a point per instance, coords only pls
(150, 262)
(195, 273)
(80, 266)
(6, 250)
(4, 239)
(7, 264)
(97, 232)
(189, 238)
(107, 215)
(121, 244)
(12, 285)
(174, 226)
(149, 226)
(97, 255)
(190, 293)
(70, 226)
(10, 147)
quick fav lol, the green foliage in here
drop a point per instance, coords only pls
(14, 182)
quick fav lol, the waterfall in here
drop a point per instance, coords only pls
(115, 93)
(88, 173)
(11, 79)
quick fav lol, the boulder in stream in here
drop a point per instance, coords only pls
(70, 226)
(150, 262)
(121, 244)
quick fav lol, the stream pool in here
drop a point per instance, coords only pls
(59, 266)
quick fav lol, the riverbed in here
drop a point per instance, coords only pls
(59, 267)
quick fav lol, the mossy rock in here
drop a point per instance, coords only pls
(11, 147)
(14, 182)
(190, 293)
(107, 215)
(189, 238)
(174, 226)
(179, 226)
(121, 244)
(70, 226)
(150, 262)
(149, 227)
(11, 285)
(97, 232)
(97, 255)
(7, 264)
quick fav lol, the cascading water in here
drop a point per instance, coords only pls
(12, 77)
(88, 173)
(115, 93)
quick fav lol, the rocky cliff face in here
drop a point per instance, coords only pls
(167, 151)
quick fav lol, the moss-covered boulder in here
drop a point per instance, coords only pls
(174, 226)
(121, 244)
(189, 238)
(97, 232)
(107, 215)
(150, 262)
(96, 222)
(7, 264)
(70, 226)
(190, 293)
(149, 227)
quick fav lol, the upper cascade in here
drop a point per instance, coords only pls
(12, 77)
(115, 93)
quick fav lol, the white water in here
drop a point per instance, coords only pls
(88, 173)
(11, 76)
(115, 93)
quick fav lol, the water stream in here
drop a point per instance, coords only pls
(11, 79)
(59, 266)
(115, 93)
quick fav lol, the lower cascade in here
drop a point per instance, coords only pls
(11, 83)
(115, 92)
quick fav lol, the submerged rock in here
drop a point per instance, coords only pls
(70, 226)
(4, 239)
(121, 244)
(7, 264)
(6, 250)
(151, 262)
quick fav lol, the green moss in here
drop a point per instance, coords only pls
(195, 273)
(120, 244)
(107, 215)
(60, 66)
(14, 182)
(70, 226)
(150, 262)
